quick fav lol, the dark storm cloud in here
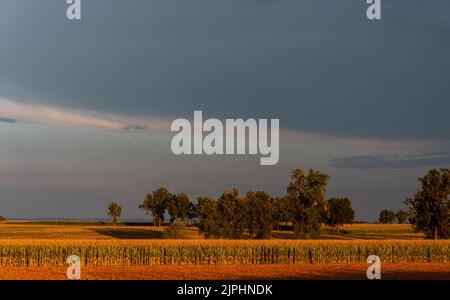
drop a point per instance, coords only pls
(7, 120)
(318, 65)
(363, 162)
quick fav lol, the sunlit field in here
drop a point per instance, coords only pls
(38, 250)
(35, 253)
(86, 231)
(98, 231)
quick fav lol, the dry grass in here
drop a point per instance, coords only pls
(87, 231)
(376, 231)
(28, 230)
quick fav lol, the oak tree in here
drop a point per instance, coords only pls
(430, 207)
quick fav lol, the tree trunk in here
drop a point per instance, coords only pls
(435, 232)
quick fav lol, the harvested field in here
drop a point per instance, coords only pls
(411, 271)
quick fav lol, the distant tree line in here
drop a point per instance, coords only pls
(256, 213)
(389, 217)
(304, 207)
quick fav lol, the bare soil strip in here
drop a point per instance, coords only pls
(407, 271)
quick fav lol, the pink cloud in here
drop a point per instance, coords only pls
(50, 115)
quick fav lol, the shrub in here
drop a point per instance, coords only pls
(175, 230)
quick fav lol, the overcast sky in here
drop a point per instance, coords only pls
(86, 106)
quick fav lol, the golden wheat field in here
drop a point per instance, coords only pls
(39, 251)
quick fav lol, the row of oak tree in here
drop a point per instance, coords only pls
(304, 208)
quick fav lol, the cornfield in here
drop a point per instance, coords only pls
(29, 253)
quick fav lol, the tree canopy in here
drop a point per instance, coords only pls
(156, 203)
(402, 216)
(178, 207)
(386, 216)
(261, 211)
(430, 206)
(114, 211)
(339, 212)
(306, 194)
